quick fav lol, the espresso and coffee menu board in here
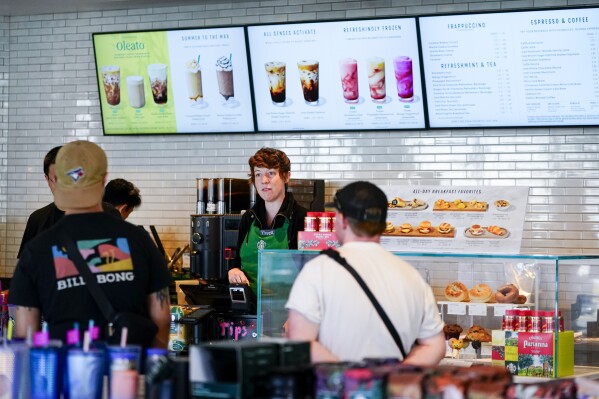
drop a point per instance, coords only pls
(533, 68)
(351, 75)
(179, 81)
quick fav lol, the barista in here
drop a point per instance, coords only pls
(275, 219)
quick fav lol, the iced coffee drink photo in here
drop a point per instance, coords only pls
(111, 77)
(376, 78)
(308, 71)
(276, 81)
(136, 92)
(405, 80)
(158, 84)
(348, 69)
(224, 76)
(193, 78)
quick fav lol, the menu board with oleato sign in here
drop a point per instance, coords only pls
(533, 68)
(178, 81)
(351, 75)
(455, 219)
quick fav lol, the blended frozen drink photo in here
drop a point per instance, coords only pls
(158, 75)
(376, 78)
(193, 75)
(404, 78)
(136, 92)
(276, 81)
(308, 71)
(224, 76)
(111, 77)
(348, 68)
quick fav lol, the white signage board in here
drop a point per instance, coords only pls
(460, 219)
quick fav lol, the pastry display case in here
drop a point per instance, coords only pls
(566, 285)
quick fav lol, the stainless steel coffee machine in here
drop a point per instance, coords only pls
(213, 245)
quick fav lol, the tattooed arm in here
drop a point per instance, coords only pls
(26, 317)
(159, 307)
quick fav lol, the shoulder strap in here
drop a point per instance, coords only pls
(337, 257)
(90, 280)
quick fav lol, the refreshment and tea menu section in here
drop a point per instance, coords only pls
(455, 219)
(182, 81)
(352, 75)
(530, 68)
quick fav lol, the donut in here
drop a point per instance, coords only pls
(456, 292)
(481, 293)
(507, 294)
(521, 299)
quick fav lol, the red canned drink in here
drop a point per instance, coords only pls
(521, 320)
(547, 321)
(332, 215)
(534, 321)
(325, 223)
(508, 320)
(311, 221)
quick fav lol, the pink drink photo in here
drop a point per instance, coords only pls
(376, 79)
(404, 78)
(348, 69)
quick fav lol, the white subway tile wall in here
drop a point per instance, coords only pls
(49, 96)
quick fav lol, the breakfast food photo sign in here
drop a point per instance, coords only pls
(453, 219)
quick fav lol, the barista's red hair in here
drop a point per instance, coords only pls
(270, 158)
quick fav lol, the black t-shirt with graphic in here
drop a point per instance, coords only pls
(123, 258)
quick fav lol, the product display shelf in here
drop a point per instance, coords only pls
(476, 309)
(579, 371)
(568, 283)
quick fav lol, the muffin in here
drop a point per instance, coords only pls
(452, 331)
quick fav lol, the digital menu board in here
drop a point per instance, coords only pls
(178, 81)
(350, 75)
(533, 68)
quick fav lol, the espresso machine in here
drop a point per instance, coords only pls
(215, 226)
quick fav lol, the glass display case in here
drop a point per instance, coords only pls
(568, 284)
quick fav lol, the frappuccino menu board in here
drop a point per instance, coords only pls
(455, 219)
(530, 68)
(351, 75)
(181, 81)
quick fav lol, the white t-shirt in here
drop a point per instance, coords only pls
(327, 294)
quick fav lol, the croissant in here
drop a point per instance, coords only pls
(496, 230)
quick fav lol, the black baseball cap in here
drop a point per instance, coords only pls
(361, 201)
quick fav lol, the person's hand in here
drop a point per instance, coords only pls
(236, 276)
(285, 329)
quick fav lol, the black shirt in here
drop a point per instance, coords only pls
(46, 217)
(122, 257)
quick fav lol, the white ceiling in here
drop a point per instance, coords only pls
(34, 7)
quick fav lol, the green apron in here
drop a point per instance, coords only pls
(260, 239)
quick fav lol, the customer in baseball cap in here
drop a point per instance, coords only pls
(130, 271)
(47, 216)
(81, 169)
(362, 201)
(321, 310)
